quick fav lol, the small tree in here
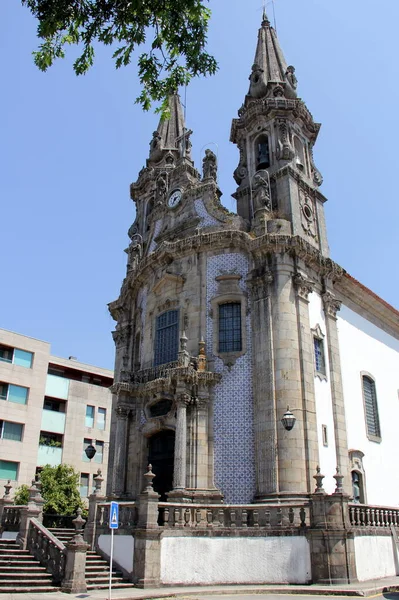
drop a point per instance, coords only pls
(22, 495)
(60, 490)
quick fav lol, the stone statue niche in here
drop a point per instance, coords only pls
(209, 165)
(261, 192)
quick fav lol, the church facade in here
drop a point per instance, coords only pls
(247, 360)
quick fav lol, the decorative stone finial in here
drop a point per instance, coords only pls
(201, 356)
(7, 488)
(98, 480)
(183, 342)
(79, 522)
(319, 481)
(149, 476)
(339, 479)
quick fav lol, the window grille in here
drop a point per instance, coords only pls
(319, 357)
(371, 408)
(230, 334)
(166, 337)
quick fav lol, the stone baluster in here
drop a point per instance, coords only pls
(209, 518)
(119, 467)
(6, 499)
(187, 517)
(255, 515)
(244, 518)
(180, 462)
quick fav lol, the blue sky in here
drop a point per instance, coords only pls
(70, 146)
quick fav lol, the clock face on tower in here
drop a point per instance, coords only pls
(174, 198)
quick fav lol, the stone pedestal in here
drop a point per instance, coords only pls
(33, 510)
(331, 540)
(74, 581)
(94, 499)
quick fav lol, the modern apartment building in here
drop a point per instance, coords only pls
(51, 409)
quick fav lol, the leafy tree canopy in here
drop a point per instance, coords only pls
(173, 34)
(59, 489)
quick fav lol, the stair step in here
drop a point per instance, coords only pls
(11, 589)
(26, 582)
(16, 557)
(22, 576)
(20, 564)
(22, 571)
(103, 586)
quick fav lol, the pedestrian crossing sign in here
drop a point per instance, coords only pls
(114, 516)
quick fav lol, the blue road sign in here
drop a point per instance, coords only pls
(114, 516)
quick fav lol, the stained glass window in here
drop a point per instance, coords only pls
(319, 356)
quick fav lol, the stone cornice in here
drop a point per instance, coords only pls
(357, 296)
(259, 247)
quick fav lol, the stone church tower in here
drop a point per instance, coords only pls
(213, 338)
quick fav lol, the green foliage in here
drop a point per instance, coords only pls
(173, 32)
(44, 441)
(22, 495)
(60, 490)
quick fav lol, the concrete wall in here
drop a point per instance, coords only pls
(366, 348)
(376, 557)
(123, 550)
(196, 560)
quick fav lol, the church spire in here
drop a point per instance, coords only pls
(172, 134)
(270, 70)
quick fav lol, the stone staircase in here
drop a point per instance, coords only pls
(97, 569)
(20, 572)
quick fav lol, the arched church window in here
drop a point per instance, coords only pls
(262, 153)
(160, 408)
(371, 408)
(230, 332)
(166, 337)
(136, 356)
(299, 154)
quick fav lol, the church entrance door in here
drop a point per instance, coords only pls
(161, 453)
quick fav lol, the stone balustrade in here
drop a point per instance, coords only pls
(361, 515)
(47, 549)
(266, 516)
(127, 515)
(11, 518)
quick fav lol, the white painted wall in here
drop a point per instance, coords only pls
(365, 347)
(324, 413)
(123, 549)
(376, 557)
(196, 560)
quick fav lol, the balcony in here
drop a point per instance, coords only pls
(57, 387)
(53, 421)
(48, 455)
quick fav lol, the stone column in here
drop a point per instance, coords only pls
(331, 539)
(331, 307)
(94, 500)
(263, 386)
(147, 545)
(291, 455)
(120, 441)
(303, 288)
(33, 510)
(5, 500)
(74, 581)
(180, 462)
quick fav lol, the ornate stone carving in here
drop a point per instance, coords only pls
(308, 218)
(317, 176)
(241, 171)
(161, 190)
(209, 165)
(331, 304)
(291, 77)
(155, 147)
(303, 286)
(122, 412)
(285, 149)
(261, 191)
(135, 252)
(261, 286)
(121, 336)
(183, 400)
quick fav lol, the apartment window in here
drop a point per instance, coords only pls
(101, 417)
(89, 416)
(54, 405)
(9, 470)
(84, 485)
(11, 431)
(371, 408)
(230, 333)
(324, 435)
(319, 357)
(13, 393)
(15, 356)
(86, 442)
(98, 457)
(50, 439)
(166, 337)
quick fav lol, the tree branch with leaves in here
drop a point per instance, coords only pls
(172, 34)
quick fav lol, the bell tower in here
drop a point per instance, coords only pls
(278, 182)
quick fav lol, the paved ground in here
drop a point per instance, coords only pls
(389, 588)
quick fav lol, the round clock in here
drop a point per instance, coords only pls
(174, 198)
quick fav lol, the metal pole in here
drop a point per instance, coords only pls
(110, 564)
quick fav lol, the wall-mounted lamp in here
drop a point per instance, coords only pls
(288, 420)
(90, 450)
